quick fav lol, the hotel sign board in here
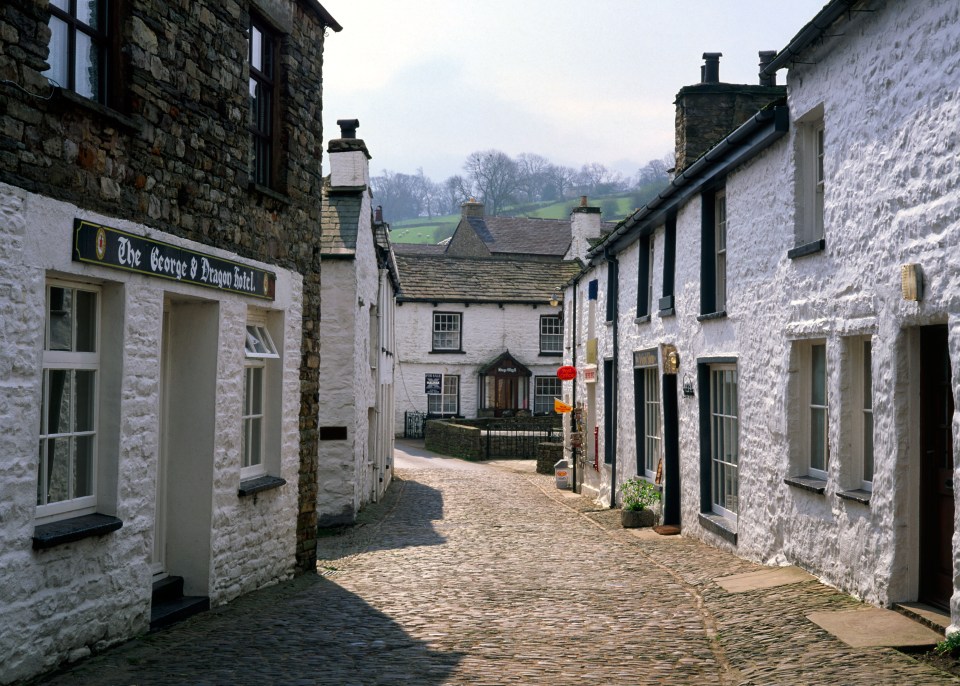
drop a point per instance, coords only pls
(108, 247)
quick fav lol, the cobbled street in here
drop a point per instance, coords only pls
(488, 574)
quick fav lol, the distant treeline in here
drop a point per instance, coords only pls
(501, 182)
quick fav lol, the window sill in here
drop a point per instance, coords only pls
(643, 319)
(269, 192)
(857, 495)
(543, 354)
(93, 107)
(721, 526)
(73, 529)
(260, 483)
(448, 352)
(669, 312)
(807, 483)
(807, 249)
(712, 315)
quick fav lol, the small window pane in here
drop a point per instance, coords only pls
(86, 314)
(256, 390)
(88, 12)
(256, 48)
(818, 430)
(84, 400)
(61, 4)
(818, 395)
(58, 469)
(83, 466)
(59, 57)
(60, 316)
(87, 74)
(58, 388)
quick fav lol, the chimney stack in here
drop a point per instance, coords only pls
(584, 225)
(710, 110)
(349, 158)
(766, 57)
(471, 208)
(710, 73)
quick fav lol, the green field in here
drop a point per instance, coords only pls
(433, 230)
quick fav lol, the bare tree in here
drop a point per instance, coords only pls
(455, 192)
(398, 194)
(494, 178)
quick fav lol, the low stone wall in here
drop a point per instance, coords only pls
(548, 454)
(455, 439)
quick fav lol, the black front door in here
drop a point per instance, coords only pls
(936, 469)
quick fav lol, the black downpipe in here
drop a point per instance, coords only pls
(573, 421)
(616, 364)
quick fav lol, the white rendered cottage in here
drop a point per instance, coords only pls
(356, 421)
(813, 257)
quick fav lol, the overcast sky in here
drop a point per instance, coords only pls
(578, 82)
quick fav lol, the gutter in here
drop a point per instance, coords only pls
(746, 141)
(808, 35)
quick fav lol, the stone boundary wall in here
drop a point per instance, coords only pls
(454, 439)
(548, 454)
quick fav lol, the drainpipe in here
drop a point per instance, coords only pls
(616, 373)
(573, 328)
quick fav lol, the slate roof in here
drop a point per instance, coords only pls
(339, 219)
(429, 278)
(419, 248)
(523, 235)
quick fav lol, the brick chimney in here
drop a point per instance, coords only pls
(471, 208)
(349, 158)
(710, 110)
(584, 225)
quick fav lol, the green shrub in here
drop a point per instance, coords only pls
(639, 494)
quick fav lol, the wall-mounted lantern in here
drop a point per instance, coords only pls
(911, 282)
(671, 359)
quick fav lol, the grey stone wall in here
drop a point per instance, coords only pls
(172, 151)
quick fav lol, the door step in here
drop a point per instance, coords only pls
(933, 617)
(169, 605)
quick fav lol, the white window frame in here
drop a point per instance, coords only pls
(258, 348)
(73, 361)
(810, 180)
(446, 324)
(720, 249)
(551, 333)
(652, 427)
(862, 429)
(448, 399)
(542, 397)
(811, 406)
(724, 439)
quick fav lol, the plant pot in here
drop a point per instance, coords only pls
(632, 519)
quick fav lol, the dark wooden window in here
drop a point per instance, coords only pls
(84, 48)
(264, 104)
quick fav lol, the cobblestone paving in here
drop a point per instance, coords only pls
(495, 577)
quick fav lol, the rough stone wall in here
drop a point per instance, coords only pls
(487, 331)
(892, 197)
(455, 440)
(707, 112)
(174, 153)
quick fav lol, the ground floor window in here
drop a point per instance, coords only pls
(69, 400)
(724, 439)
(647, 414)
(447, 402)
(545, 390)
(259, 348)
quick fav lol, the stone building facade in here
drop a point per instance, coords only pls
(358, 338)
(783, 341)
(161, 282)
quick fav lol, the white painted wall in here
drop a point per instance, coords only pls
(890, 104)
(61, 602)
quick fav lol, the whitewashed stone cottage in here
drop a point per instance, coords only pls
(479, 325)
(357, 337)
(785, 334)
(157, 287)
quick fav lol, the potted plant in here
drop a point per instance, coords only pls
(639, 496)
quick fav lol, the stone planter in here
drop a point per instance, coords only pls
(632, 519)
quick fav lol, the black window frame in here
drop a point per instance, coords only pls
(106, 39)
(264, 123)
(708, 254)
(666, 302)
(644, 276)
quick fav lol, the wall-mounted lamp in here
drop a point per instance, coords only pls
(556, 298)
(671, 359)
(911, 282)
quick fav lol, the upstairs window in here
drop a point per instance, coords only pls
(809, 183)
(264, 104)
(80, 47)
(644, 276)
(720, 227)
(551, 334)
(446, 332)
(713, 254)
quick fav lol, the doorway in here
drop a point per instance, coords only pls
(936, 469)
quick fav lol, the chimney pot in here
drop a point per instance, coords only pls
(766, 57)
(710, 72)
(348, 127)
(378, 214)
(583, 201)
